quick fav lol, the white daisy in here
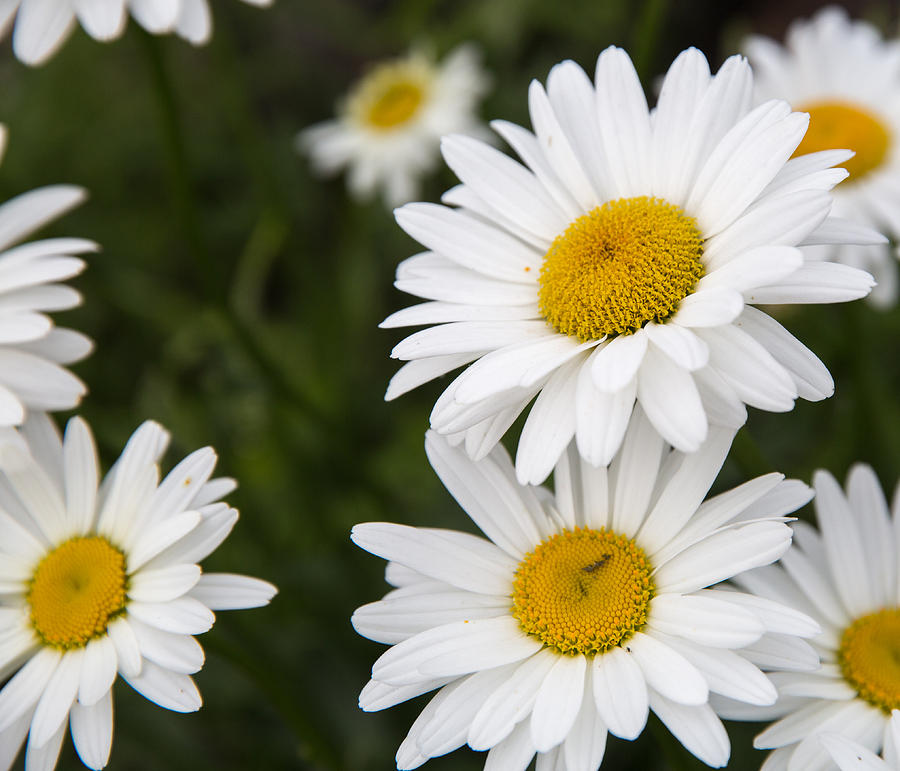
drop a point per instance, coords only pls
(848, 79)
(846, 577)
(622, 264)
(584, 609)
(96, 581)
(852, 756)
(32, 348)
(388, 128)
(42, 26)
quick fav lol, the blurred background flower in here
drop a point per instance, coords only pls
(237, 297)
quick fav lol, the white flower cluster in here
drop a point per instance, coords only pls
(618, 282)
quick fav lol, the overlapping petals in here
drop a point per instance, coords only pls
(49, 493)
(846, 570)
(831, 58)
(706, 150)
(500, 689)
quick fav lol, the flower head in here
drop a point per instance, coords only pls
(583, 609)
(42, 26)
(102, 580)
(389, 127)
(621, 264)
(848, 79)
(844, 576)
(33, 351)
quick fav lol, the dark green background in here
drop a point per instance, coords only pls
(236, 301)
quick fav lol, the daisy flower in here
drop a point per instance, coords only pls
(621, 264)
(42, 26)
(852, 756)
(32, 349)
(388, 128)
(99, 580)
(848, 79)
(581, 610)
(846, 577)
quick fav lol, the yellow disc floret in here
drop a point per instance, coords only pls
(392, 94)
(583, 591)
(840, 125)
(869, 656)
(625, 263)
(77, 589)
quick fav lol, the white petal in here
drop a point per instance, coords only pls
(696, 727)
(92, 729)
(98, 670)
(705, 620)
(101, 19)
(175, 652)
(170, 690)
(843, 546)
(615, 364)
(558, 702)
(666, 671)
(460, 559)
(550, 426)
(24, 689)
(127, 651)
(723, 555)
(226, 591)
(504, 511)
(56, 699)
(455, 649)
(182, 616)
(680, 344)
(41, 27)
(670, 398)
(602, 418)
(511, 703)
(163, 584)
(81, 476)
(620, 693)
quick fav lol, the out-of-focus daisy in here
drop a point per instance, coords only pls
(621, 263)
(389, 127)
(42, 26)
(848, 79)
(584, 609)
(96, 581)
(852, 756)
(845, 576)
(32, 349)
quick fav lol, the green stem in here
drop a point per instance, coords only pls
(878, 406)
(645, 38)
(170, 126)
(313, 746)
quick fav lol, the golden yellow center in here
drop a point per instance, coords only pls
(625, 263)
(869, 656)
(841, 125)
(583, 591)
(392, 94)
(76, 590)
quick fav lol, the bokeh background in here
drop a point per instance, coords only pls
(237, 297)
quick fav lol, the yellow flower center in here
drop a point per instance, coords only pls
(869, 656)
(840, 125)
(583, 591)
(76, 590)
(625, 263)
(392, 94)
